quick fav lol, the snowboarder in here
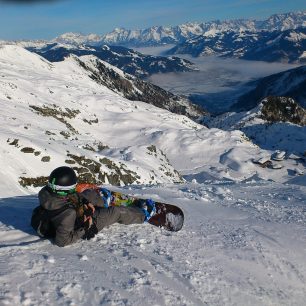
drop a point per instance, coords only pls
(69, 216)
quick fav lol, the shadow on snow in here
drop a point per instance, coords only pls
(16, 213)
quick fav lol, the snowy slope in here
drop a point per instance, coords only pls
(56, 114)
(134, 88)
(243, 242)
(277, 124)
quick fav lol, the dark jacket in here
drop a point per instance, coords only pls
(68, 223)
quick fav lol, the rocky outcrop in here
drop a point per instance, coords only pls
(283, 109)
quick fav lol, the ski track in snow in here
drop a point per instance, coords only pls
(242, 244)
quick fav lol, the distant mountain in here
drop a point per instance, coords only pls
(222, 43)
(290, 83)
(274, 123)
(78, 39)
(282, 22)
(159, 35)
(245, 38)
(125, 59)
(285, 46)
(135, 89)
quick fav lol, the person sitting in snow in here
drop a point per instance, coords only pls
(68, 216)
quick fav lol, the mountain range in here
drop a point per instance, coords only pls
(159, 35)
(241, 186)
(128, 60)
(277, 46)
(77, 114)
(239, 178)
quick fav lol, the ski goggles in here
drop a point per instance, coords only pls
(63, 190)
(66, 192)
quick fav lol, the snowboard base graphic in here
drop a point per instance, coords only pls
(168, 216)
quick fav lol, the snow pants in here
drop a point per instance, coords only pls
(125, 215)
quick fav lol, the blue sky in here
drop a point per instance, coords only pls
(46, 19)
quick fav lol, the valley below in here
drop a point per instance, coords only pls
(219, 81)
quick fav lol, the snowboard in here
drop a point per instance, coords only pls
(167, 216)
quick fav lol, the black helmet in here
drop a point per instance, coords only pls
(62, 179)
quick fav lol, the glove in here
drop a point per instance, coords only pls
(88, 212)
(91, 232)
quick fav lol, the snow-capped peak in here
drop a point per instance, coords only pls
(156, 35)
(78, 39)
(17, 56)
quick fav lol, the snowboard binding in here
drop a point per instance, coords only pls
(148, 207)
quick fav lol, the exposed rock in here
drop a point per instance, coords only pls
(27, 150)
(70, 161)
(45, 159)
(57, 113)
(283, 109)
(33, 181)
(13, 143)
(90, 171)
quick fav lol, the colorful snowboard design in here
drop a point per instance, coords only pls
(167, 216)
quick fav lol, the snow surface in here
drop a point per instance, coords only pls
(242, 244)
(243, 241)
(126, 127)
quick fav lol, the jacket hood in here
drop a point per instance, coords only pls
(50, 200)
